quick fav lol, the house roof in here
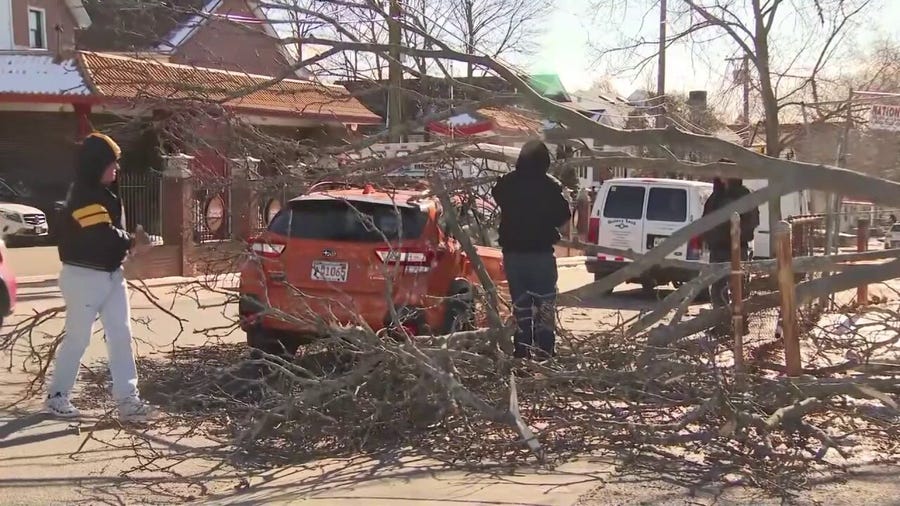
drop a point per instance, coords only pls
(119, 26)
(190, 24)
(76, 7)
(23, 73)
(127, 78)
(489, 120)
(373, 93)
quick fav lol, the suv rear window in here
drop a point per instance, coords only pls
(626, 202)
(342, 220)
(667, 204)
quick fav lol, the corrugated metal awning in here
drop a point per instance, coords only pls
(40, 74)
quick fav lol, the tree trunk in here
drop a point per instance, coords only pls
(470, 35)
(770, 106)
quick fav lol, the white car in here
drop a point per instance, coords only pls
(892, 239)
(19, 221)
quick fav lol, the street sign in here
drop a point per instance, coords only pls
(885, 117)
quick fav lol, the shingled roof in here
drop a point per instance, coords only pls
(132, 79)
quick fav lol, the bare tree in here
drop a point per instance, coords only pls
(660, 396)
(497, 28)
(788, 47)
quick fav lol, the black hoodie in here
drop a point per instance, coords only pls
(719, 237)
(92, 227)
(532, 206)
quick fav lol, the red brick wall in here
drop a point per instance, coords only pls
(56, 14)
(229, 46)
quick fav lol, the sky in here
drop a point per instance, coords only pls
(564, 48)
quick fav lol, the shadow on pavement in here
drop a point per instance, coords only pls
(621, 300)
(19, 424)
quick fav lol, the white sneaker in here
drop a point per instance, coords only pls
(134, 409)
(58, 404)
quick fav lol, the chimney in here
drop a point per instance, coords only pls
(697, 99)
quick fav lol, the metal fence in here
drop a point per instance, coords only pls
(211, 211)
(272, 194)
(141, 194)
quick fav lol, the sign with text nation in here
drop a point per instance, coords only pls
(885, 117)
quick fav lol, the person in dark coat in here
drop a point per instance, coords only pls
(532, 210)
(93, 245)
(718, 239)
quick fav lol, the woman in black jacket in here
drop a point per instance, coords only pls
(93, 244)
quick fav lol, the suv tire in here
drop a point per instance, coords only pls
(460, 315)
(262, 340)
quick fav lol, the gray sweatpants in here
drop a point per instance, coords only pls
(89, 293)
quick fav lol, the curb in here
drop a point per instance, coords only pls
(223, 280)
(566, 262)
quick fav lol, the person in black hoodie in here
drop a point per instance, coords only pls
(718, 239)
(532, 209)
(93, 244)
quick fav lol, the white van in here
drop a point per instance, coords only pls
(792, 204)
(638, 214)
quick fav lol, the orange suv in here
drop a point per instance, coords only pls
(358, 256)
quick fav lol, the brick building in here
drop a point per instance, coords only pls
(224, 34)
(161, 110)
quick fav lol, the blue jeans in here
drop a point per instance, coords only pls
(532, 281)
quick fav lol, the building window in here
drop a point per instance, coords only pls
(37, 28)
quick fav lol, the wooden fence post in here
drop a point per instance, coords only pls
(862, 245)
(786, 285)
(737, 294)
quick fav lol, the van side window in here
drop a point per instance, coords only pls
(667, 204)
(625, 202)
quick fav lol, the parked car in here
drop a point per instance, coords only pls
(47, 199)
(19, 222)
(351, 255)
(892, 239)
(8, 285)
(637, 215)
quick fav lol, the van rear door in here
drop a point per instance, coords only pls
(668, 210)
(621, 217)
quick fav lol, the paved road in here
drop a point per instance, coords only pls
(34, 462)
(37, 465)
(34, 261)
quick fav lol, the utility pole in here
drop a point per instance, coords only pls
(745, 76)
(833, 200)
(395, 72)
(661, 72)
(745, 81)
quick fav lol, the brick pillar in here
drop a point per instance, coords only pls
(177, 201)
(244, 197)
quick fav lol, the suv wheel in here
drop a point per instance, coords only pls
(460, 316)
(460, 306)
(267, 342)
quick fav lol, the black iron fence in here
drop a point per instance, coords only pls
(272, 194)
(141, 194)
(211, 211)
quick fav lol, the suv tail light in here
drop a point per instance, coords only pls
(695, 248)
(266, 249)
(412, 260)
(593, 236)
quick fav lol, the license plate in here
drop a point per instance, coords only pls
(39, 230)
(658, 240)
(334, 272)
